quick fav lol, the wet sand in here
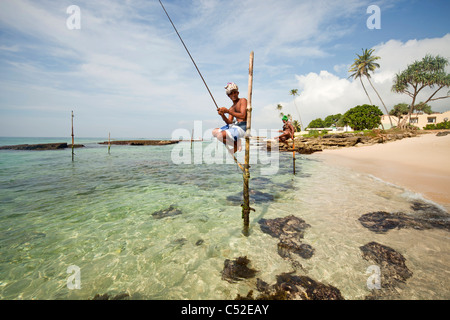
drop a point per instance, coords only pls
(420, 164)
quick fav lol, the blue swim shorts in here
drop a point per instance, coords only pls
(235, 130)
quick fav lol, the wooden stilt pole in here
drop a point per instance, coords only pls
(293, 151)
(109, 142)
(246, 174)
(73, 140)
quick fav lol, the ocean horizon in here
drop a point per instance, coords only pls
(96, 225)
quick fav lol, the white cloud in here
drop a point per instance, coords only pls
(126, 63)
(343, 67)
(323, 93)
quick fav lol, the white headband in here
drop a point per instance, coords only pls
(230, 87)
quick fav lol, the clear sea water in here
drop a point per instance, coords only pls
(95, 213)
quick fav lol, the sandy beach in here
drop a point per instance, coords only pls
(420, 164)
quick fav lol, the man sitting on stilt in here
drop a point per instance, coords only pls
(287, 132)
(234, 130)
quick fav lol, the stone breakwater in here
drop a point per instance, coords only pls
(64, 145)
(41, 146)
(308, 145)
(141, 142)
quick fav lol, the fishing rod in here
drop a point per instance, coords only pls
(217, 107)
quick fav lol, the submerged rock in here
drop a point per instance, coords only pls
(429, 211)
(290, 225)
(425, 216)
(237, 270)
(392, 264)
(288, 246)
(290, 231)
(170, 212)
(106, 296)
(255, 196)
(381, 222)
(293, 287)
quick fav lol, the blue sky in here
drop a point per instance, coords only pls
(126, 72)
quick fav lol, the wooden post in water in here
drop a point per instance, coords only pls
(73, 140)
(293, 151)
(109, 142)
(246, 173)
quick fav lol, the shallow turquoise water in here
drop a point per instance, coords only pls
(95, 213)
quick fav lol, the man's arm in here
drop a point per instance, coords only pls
(222, 111)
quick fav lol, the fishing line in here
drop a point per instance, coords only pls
(189, 54)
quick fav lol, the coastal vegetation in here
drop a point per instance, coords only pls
(429, 72)
(438, 126)
(358, 118)
(362, 66)
(334, 120)
(363, 117)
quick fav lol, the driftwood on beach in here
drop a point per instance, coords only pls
(141, 142)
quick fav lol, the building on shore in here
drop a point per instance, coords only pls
(419, 120)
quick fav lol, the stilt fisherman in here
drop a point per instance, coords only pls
(236, 121)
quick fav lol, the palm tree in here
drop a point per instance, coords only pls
(293, 93)
(364, 64)
(279, 108)
(358, 73)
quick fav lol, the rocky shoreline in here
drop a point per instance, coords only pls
(141, 142)
(308, 145)
(64, 145)
(41, 146)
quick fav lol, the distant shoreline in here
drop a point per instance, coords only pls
(141, 142)
(64, 145)
(41, 146)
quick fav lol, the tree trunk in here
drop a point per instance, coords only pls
(411, 109)
(360, 79)
(299, 117)
(387, 112)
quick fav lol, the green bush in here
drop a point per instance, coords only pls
(317, 123)
(312, 133)
(439, 126)
(363, 117)
(443, 125)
